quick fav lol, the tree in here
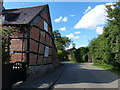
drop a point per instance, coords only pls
(81, 54)
(6, 33)
(106, 47)
(61, 43)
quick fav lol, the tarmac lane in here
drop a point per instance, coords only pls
(86, 77)
(70, 76)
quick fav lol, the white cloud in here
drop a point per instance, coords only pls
(95, 17)
(77, 32)
(58, 19)
(71, 36)
(83, 45)
(88, 9)
(111, 4)
(99, 30)
(72, 15)
(69, 47)
(78, 46)
(63, 29)
(65, 19)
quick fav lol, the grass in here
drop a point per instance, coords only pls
(108, 67)
(70, 61)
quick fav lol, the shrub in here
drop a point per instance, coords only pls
(6, 33)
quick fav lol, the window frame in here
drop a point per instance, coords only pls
(45, 25)
(46, 51)
(2, 19)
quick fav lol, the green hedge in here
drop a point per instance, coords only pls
(106, 48)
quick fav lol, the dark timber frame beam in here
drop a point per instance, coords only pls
(28, 46)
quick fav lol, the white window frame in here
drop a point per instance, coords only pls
(46, 52)
(45, 26)
(2, 19)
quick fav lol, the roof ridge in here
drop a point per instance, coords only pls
(26, 7)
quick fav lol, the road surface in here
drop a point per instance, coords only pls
(86, 76)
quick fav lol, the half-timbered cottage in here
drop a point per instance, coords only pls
(33, 42)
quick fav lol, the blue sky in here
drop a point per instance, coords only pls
(80, 21)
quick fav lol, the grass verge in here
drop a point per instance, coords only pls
(109, 68)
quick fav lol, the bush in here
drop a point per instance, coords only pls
(62, 55)
(81, 54)
(6, 37)
(106, 47)
(85, 57)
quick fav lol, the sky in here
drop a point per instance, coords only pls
(79, 21)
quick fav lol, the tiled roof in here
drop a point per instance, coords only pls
(21, 15)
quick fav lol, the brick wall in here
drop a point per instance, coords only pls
(45, 38)
(17, 45)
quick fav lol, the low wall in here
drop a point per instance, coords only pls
(34, 72)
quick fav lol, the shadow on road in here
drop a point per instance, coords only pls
(85, 73)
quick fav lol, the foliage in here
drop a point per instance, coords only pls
(72, 53)
(81, 54)
(62, 55)
(61, 43)
(6, 37)
(77, 55)
(106, 48)
(108, 67)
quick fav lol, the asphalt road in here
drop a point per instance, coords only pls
(86, 76)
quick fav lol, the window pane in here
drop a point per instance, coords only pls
(2, 19)
(46, 51)
(45, 26)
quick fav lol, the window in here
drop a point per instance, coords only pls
(11, 16)
(43, 33)
(2, 19)
(45, 26)
(46, 53)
